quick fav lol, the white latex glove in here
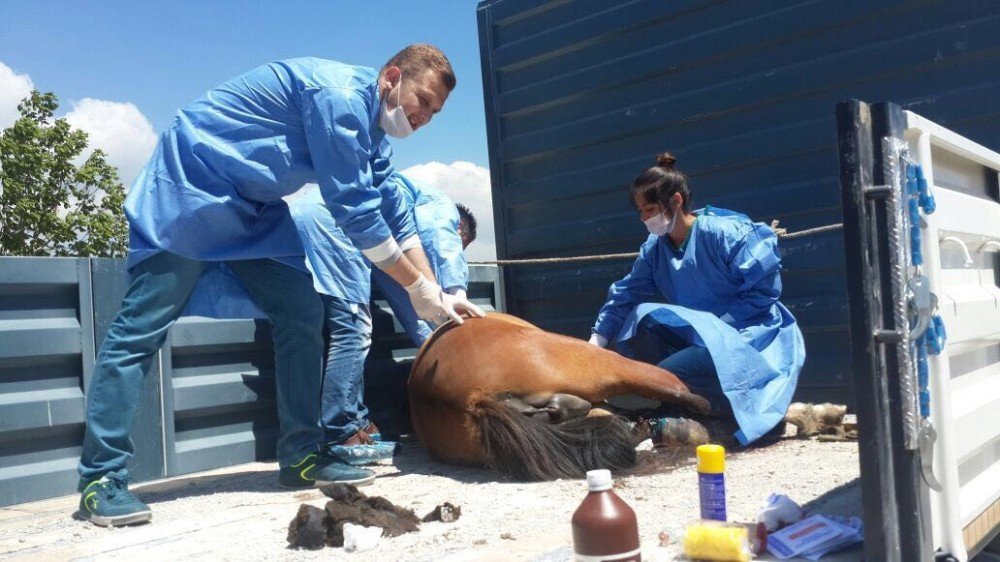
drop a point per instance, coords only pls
(462, 305)
(435, 306)
(598, 340)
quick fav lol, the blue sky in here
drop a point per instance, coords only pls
(160, 55)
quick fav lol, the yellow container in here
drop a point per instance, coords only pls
(711, 459)
(718, 542)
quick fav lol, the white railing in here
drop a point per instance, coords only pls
(960, 244)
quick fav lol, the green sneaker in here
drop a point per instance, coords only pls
(322, 469)
(107, 502)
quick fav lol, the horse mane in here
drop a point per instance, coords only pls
(527, 449)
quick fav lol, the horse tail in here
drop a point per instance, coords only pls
(527, 449)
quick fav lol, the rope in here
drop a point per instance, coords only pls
(827, 228)
(599, 257)
(780, 232)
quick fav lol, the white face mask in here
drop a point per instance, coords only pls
(659, 224)
(394, 121)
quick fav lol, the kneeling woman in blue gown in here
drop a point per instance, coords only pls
(722, 329)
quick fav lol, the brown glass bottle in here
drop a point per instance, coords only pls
(604, 526)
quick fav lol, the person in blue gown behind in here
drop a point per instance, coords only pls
(443, 230)
(702, 301)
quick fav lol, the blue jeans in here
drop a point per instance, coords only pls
(160, 288)
(692, 364)
(349, 333)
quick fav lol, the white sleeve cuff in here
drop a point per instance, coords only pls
(410, 243)
(385, 253)
(598, 340)
(457, 291)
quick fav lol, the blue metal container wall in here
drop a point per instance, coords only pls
(220, 394)
(46, 352)
(580, 96)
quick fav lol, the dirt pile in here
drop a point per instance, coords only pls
(312, 528)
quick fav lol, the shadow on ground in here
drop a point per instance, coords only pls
(843, 500)
(265, 481)
(414, 459)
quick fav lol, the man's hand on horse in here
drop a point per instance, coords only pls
(437, 307)
(459, 306)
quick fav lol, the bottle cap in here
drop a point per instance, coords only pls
(599, 480)
(711, 459)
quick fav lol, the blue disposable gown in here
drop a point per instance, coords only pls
(340, 270)
(723, 288)
(337, 267)
(212, 189)
(437, 222)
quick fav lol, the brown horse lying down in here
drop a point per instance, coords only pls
(500, 392)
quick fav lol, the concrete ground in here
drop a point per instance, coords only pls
(239, 513)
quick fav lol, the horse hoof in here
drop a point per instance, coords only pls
(679, 432)
(552, 408)
(564, 407)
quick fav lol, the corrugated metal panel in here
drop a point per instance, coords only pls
(220, 402)
(46, 350)
(581, 94)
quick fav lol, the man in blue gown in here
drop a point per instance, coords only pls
(211, 192)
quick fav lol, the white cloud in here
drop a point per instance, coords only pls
(119, 129)
(468, 184)
(14, 87)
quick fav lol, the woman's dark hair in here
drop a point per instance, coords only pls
(657, 184)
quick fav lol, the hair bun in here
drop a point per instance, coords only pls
(666, 160)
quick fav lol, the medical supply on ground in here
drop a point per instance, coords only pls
(815, 536)
(778, 511)
(723, 542)
(852, 534)
(358, 538)
(712, 481)
(604, 526)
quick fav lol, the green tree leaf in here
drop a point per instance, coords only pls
(50, 206)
